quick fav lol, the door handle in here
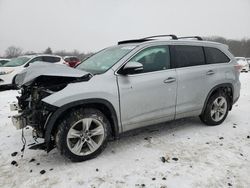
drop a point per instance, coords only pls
(169, 80)
(210, 72)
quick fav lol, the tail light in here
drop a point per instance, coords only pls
(66, 63)
(238, 67)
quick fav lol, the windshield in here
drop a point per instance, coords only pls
(105, 59)
(16, 62)
(2, 62)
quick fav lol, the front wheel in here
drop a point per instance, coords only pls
(82, 134)
(216, 109)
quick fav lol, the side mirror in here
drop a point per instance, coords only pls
(132, 67)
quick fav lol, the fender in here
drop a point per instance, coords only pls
(54, 117)
(215, 88)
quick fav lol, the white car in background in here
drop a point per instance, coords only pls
(10, 69)
(243, 62)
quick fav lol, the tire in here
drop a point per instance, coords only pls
(213, 114)
(82, 134)
(13, 85)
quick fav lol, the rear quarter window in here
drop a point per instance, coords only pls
(186, 56)
(214, 55)
(51, 59)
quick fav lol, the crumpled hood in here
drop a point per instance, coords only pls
(38, 69)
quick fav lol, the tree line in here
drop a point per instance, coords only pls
(14, 51)
(240, 48)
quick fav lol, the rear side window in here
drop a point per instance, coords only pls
(51, 59)
(69, 59)
(185, 56)
(214, 55)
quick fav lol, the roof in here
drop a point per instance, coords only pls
(173, 39)
(37, 55)
(173, 42)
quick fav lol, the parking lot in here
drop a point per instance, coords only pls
(196, 155)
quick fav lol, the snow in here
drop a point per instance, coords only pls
(207, 156)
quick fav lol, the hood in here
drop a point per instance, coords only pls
(3, 70)
(41, 70)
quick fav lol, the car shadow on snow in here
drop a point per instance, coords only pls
(169, 129)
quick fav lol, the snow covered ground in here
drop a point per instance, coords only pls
(198, 155)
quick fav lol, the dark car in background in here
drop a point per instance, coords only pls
(71, 61)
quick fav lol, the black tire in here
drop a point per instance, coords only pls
(69, 120)
(206, 116)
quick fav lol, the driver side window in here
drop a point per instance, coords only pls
(153, 59)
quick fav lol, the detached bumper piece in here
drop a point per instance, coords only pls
(19, 121)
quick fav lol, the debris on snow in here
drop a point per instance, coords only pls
(32, 160)
(165, 159)
(42, 172)
(14, 154)
(14, 163)
(175, 159)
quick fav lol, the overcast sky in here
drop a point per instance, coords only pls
(89, 25)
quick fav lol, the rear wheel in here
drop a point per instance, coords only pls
(216, 109)
(83, 134)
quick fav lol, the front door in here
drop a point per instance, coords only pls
(148, 97)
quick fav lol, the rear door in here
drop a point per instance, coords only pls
(192, 74)
(148, 97)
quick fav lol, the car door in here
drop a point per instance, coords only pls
(193, 79)
(148, 97)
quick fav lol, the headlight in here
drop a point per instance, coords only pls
(6, 72)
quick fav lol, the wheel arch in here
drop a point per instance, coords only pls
(225, 87)
(101, 104)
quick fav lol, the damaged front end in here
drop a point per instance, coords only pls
(35, 86)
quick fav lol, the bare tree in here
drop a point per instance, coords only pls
(48, 51)
(13, 51)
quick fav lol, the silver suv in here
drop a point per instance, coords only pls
(131, 85)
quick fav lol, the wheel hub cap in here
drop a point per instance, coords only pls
(219, 109)
(85, 136)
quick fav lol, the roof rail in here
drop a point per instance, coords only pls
(194, 37)
(146, 39)
(156, 36)
(133, 41)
